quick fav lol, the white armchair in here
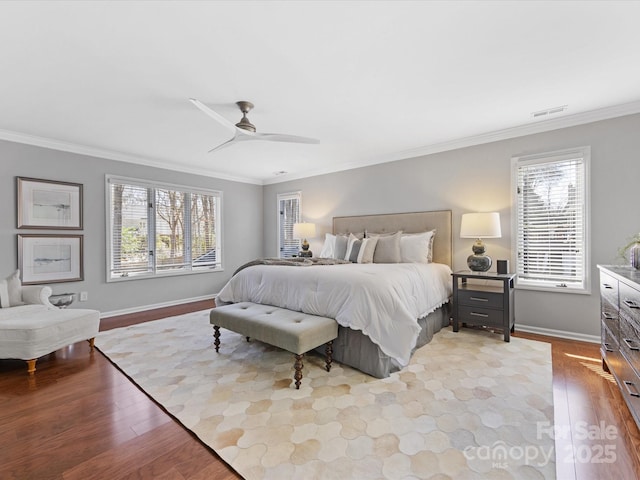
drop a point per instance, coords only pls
(30, 326)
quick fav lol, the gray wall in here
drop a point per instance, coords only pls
(241, 224)
(478, 179)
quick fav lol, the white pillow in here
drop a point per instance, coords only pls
(329, 247)
(14, 289)
(416, 247)
(352, 238)
(4, 294)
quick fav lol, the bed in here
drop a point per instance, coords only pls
(385, 311)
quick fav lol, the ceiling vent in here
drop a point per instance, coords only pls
(549, 111)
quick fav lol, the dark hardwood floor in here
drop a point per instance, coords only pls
(79, 417)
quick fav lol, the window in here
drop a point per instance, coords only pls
(551, 198)
(289, 207)
(156, 229)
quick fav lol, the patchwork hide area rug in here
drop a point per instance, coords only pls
(468, 406)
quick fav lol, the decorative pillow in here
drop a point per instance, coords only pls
(329, 246)
(341, 247)
(352, 239)
(388, 249)
(14, 289)
(4, 294)
(356, 246)
(416, 247)
(367, 250)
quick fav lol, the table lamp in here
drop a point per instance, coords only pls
(479, 226)
(303, 231)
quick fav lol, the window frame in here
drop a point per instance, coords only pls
(151, 187)
(551, 285)
(297, 195)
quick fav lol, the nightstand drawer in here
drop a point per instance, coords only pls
(480, 316)
(480, 299)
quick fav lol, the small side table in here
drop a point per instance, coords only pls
(487, 304)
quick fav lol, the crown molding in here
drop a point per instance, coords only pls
(539, 126)
(114, 155)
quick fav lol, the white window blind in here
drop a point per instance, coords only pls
(551, 216)
(289, 208)
(160, 229)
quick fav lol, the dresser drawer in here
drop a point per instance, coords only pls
(481, 316)
(609, 289)
(630, 343)
(610, 319)
(630, 303)
(628, 381)
(609, 341)
(480, 299)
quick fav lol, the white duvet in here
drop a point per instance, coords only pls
(383, 301)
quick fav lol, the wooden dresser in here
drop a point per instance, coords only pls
(620, 330)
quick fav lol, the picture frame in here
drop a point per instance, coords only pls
(44, 258)
(49, 204)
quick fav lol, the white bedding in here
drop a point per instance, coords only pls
(384, 301)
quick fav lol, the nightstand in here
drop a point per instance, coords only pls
(486, 301)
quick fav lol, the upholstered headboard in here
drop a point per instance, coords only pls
(415, 222)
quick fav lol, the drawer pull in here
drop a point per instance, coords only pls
(634, 392)
(484, 315)
(608, 316)
(631, 344)
(607, 347)
(631, 303)
(607, 286)
(478, 299)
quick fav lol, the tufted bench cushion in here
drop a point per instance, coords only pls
(295, 332)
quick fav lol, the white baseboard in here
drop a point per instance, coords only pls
(581, 337)
(142, 308)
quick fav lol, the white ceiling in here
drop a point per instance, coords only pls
(373, 80)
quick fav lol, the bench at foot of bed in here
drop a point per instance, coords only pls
(295, 332)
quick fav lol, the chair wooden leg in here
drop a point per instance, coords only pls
(92, 342)
(298, 368)
(31, 366)
(216, 336)
(329, 355)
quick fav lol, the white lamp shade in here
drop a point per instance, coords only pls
(304, 230)
(480, 225)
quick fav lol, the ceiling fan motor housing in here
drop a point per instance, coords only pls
(244, 123)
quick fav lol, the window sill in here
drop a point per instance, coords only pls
(165, 274)
(549, 288)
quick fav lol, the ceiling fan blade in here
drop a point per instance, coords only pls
(225, 144)
(280, 137)
(213, 114)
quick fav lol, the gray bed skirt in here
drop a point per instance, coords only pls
(353, 348)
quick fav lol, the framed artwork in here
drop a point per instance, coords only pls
(49, 204)
(46, 258)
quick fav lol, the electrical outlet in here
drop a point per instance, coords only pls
(84, 296)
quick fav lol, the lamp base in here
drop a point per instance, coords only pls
(305, 253)
(479, 263)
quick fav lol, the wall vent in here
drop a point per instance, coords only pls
(549, 111)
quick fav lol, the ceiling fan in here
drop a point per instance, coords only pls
(244, 129)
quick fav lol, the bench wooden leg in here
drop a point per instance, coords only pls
(92, 342)
(298, 368)
(216, 336)
(329, 354)
(31, 366)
